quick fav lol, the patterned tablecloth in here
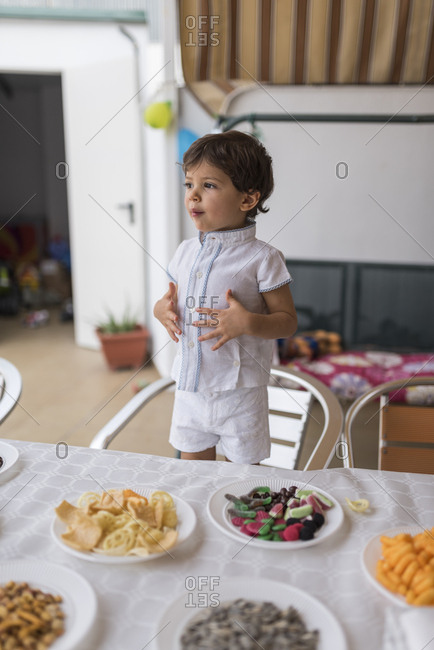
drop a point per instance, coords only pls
(131, 599)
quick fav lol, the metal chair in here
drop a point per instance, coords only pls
(10, 387)
(289, 408)
(406, 431)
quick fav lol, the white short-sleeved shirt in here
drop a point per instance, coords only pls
(204, 268)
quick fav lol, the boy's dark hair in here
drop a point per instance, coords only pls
(239, 155)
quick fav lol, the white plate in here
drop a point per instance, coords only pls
(218, 506)
(186, 526)
(315, 615)
(372, 553)
(79, 600)
(9, 455)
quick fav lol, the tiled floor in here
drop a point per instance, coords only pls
(69, 394)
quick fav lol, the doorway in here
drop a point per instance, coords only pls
(103, 130)
(35, 267)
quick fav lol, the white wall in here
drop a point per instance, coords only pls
(381, 211)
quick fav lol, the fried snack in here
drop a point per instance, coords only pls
(407, 566)
(29, 618)
(120, 522)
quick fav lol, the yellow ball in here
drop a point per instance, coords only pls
(158, 115)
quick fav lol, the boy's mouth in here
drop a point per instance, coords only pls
(196, 213)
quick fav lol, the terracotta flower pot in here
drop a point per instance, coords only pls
(125, 349)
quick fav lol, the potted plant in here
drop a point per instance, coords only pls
(124, 342)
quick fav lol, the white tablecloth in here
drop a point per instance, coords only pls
(132, 598)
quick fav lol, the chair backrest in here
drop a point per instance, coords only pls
(406, 431)
(10, 387)
(114, 426)
(289, 412)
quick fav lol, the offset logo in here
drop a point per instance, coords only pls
(205, 36)
(201, 591)
(342, 170)
(62, 170)
(62, 450)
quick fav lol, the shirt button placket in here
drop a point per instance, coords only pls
(192, 332)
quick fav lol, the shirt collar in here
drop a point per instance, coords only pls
(229, 237)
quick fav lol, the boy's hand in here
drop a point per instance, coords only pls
(225, 323)
(165, 310)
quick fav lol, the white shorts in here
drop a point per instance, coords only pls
(238, 419)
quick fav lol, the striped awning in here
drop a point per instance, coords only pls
(226, 44)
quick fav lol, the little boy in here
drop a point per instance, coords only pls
(228, 299)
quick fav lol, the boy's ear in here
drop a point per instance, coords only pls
(250, 200)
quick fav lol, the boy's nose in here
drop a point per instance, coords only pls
(194, 195)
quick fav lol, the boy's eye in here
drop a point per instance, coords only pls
(187, 185)
(209, 185)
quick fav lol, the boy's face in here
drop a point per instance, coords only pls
(212, 201)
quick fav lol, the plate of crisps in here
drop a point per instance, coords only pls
(406, 583)
(73, 615)
(122, 526)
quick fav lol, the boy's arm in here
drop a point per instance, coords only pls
(280, 322)
(165, 311)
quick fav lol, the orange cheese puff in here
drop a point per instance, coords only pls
(410, 597)
(424, 585)
(410, 572)
(425, 598)
(403, 563)
(386, 582)
(423, 557)
(392, 577)
(418, 577)
(393, 559)
(397, 548)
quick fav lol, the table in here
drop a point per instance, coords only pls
(132, 598)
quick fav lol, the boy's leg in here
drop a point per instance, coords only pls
(244, 427)
(206, 454)
(188, 431)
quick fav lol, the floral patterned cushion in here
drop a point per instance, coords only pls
(351, 374)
